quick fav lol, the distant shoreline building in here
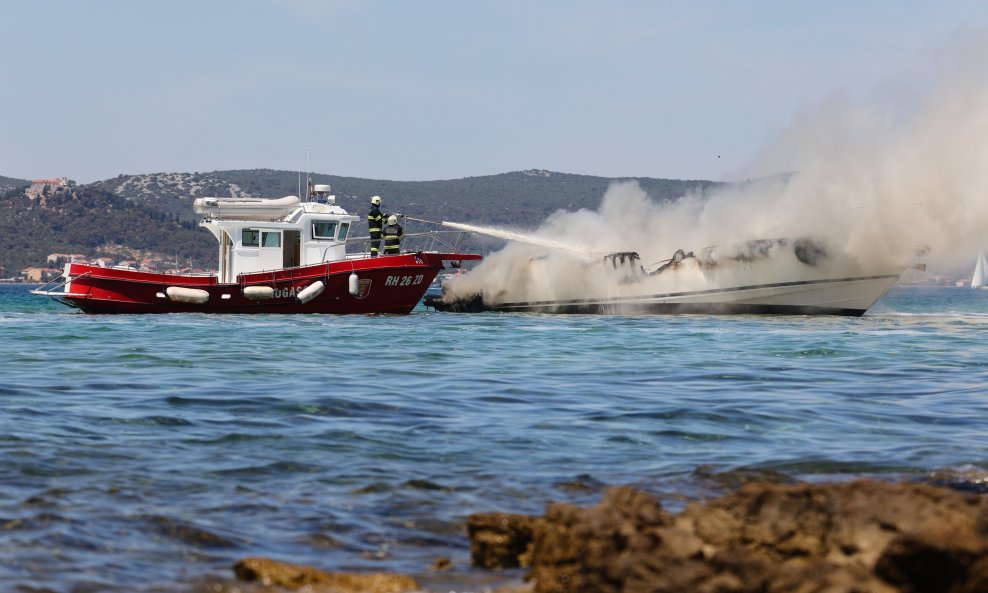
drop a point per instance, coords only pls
(39, 274)
(38, 186)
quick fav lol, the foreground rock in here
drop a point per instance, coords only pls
(501, 540)
(863, 537)
(273, 573)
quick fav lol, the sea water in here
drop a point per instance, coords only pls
(147, 453)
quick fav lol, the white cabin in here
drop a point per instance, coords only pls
(257, 235)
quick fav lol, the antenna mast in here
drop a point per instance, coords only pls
(308, 177)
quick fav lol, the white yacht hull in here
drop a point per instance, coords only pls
(770, 277)
(838, 296)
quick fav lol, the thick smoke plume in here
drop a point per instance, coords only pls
(874, 180)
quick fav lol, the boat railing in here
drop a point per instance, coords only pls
(55, 289)
(435, 240)
(186, 274)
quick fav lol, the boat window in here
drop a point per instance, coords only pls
(323, 230)
(344, 228)
(271, 239)
(250, 237)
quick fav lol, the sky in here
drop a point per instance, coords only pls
(444, 89)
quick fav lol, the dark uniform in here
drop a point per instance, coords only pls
(392, 238)
(375, 222)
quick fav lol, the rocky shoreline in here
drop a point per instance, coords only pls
(862, 536)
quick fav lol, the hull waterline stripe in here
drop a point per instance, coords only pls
(669, 295)
(687, 309)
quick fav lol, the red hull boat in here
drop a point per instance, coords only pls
(259, 241)
(386, 284)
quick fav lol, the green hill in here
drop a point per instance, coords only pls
(154, 212)
(521, 198)
(89, 220)
(9, 183)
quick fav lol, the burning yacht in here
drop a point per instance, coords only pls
(781, 276)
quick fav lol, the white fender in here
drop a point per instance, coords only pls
(354, 284)
(186, 295)
(257, 293)
(310, 292)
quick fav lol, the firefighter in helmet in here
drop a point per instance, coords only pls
(392, 236)
(375, 222)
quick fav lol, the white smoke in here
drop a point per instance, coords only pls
(874, 181)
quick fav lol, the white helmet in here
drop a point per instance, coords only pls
(376, 200)
(392, 219)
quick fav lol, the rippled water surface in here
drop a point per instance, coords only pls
(149, 452)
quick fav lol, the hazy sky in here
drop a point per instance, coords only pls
(437, 89)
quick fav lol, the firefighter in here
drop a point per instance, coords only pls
(375, 221)
(392, 236)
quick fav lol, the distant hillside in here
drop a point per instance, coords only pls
(154, 212)
(171, 193)
(520, 199)
(9, 183)
(83, 220)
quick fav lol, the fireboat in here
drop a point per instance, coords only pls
(279, 255)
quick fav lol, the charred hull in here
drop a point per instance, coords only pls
(476, 305)
(685, 309)
(850, 296)
(472, 304)
(764, 277)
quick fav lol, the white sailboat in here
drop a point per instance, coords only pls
(980, 278)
